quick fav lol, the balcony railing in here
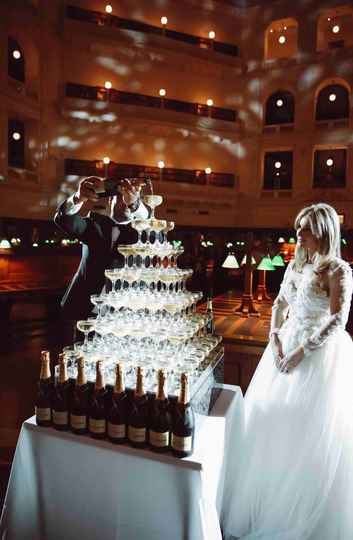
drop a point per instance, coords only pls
(103, 19)
(82, 167)
(98, 93)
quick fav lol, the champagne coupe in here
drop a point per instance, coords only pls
(140, 225)
(113, 275)
(153, 201)
(98, 300)
(85, 327)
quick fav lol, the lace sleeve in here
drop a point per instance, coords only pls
(280, 304)
(341, 285)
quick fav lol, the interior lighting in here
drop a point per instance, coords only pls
(278, 164)
(208, 170)
(16, 54)
(162, 92)
(329, 162)
(35, 244)
(243, 261)
(108, 8)
(329, 18)
(332, 97)
(5, 244)
(230, 261)
(282, 39)
(106, 160)
(279, 102)
(336, 29)
(164, 20)
(209, 102)
(281, 240)
(271, 31)
(278, 261)
(291, 240)
(266, 264)
(16, 136)
(107, 85)
(161, 164)
(211, 34)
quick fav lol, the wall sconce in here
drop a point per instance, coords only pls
(107, 85)
(16, 136)
(162, 92)
(329, 162)
(332, 97)
(209, 102)
(108, 9)
(164, 20)
(279, 102)
(161, 164)
(278, 164)
(106, 161)
(16, 54)
(208, 170)
(335, 29)
(282, 39)
(211, 34)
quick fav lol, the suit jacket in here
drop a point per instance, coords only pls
(100, 236)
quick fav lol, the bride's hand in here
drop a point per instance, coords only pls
(276, 347)
(291, 360)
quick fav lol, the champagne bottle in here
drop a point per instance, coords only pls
(60, 400)
(210, 318)
(79, 401)
(183, 422)
(43, 401)
(118, 409)
(96, 420)
(160, 422)
(138, 417)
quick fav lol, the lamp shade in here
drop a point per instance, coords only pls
(243, 261)
(278, 261)
(266, 264)
(230, 262)
(5, 244)
(291, 240)
(281, 240)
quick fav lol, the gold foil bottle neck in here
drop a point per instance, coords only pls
(99, 376)
(63, 376)
(161, 392)
(45, 365)
(184, 397)
(119, 380)
(139, 392)
(81, 373)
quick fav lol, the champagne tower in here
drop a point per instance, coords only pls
(149, 319)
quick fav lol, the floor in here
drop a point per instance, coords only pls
(31, 332)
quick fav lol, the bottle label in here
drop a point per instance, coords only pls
(116, 431)
(43, 414)
(97, 426)
(60, 418)
(78, 421)
(137, 434)
(182, 444)
(159, 439)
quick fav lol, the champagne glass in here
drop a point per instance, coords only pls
(85, 327)
(153, 201)
(98, 300)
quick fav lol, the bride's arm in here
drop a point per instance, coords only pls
(280, 304)
(341, 285)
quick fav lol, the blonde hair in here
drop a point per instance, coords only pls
(325, 226)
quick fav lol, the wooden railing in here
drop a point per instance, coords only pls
(103, 19)
(82, 167)
(98, 93)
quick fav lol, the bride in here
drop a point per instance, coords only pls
(292, 474)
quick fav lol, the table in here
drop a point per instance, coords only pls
(64, 486)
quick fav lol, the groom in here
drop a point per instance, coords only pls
(99, 235)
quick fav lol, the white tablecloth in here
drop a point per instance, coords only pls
(67, 487)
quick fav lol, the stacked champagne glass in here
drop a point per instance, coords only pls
(148, 318)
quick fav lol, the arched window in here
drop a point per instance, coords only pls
(332, 103)
(278, 170)
(280, 108)
(335, 28)
(16, 143)
(281, 39)
(16, 61)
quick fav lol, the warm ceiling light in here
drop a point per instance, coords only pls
(209, 102)
(335, 29)
(164, 20)
(208, 170)
(332, 97)
(16, 54)
(279, 102)
(106, 160)
(329, 162)
(284, 28)
(282, 39)
(162, 92)
(108, 8)
(211, 34)
(278, 164)
(161, 164)
(271, 30)
(107, 85)
(16, 136)
(329, 18)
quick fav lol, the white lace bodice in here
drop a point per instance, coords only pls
(314, 312)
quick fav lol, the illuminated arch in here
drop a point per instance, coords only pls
(335, 28)
(279, 108)
(332, 100)
(281, 39)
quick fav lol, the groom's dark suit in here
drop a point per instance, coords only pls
(100, 236)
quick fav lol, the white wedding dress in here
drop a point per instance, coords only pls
(291, 476)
